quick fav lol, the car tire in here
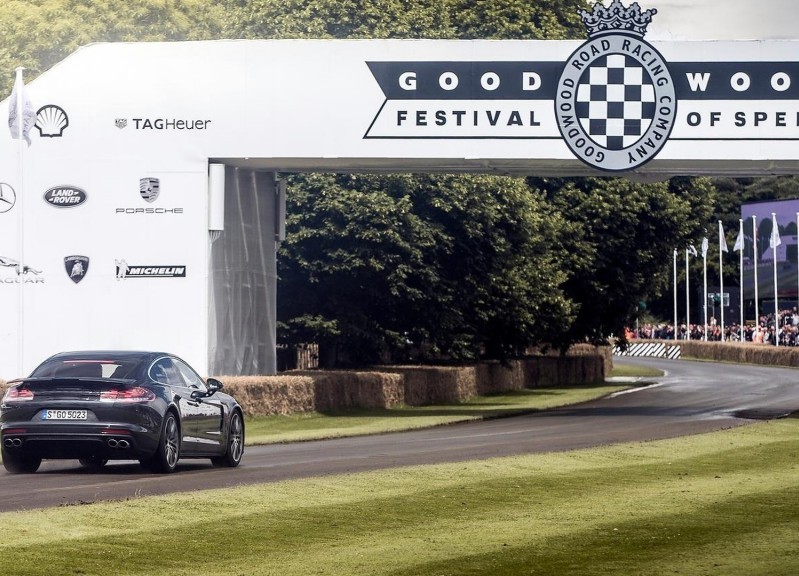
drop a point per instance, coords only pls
(167, 454)
(235, 443)
(17, 463)
(93, 462)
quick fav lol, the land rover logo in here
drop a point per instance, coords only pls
(65, 196)
(615, 103)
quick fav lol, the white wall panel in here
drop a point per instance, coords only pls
(165, 110)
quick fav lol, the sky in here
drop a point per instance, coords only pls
(722, 19)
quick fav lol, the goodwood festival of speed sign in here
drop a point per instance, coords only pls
(615, 103)
(612, 102)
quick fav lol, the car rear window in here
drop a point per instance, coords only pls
(84, 368)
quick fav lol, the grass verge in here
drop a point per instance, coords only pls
(316, 426)
(622, 370)
(723, 503)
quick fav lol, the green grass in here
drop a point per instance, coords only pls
(314, 425)
(725, 503)
(620, 369)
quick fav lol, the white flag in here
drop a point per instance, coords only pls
(692, 250)
(704, 247)
(739, 241)
(722, 239)
(774, 241)
(20, 122)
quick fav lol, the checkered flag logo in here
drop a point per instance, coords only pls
(616, 103)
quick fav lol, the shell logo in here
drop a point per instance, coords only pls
(51, 120)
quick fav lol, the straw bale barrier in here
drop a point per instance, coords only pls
(388, 386)
(308, 391)
(739, 353)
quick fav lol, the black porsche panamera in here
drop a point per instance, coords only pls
(110, 405)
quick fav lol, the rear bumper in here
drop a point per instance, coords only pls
(63, 441)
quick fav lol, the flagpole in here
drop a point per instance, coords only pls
(704, 282)
(674, 259)
(774, 243)
(722, 249)
(687, 299)
(20, 104)
(754, 259)
(741, 275)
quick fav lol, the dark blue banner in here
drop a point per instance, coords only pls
(538, 80)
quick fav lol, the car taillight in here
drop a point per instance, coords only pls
(15, 394)
(137, 394)
(115, 432)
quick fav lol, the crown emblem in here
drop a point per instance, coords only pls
(616, 18)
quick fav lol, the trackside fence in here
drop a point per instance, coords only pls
(732, 352)
(650, 350)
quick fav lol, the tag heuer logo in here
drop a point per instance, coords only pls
(149, 188)
(615, 103)
(121, 123)
(76, 267)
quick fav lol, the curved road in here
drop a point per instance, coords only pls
(692, 397)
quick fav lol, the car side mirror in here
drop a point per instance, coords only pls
(213, 385)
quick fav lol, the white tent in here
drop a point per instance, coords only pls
(118, 169)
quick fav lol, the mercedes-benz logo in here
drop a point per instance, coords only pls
(8, 197)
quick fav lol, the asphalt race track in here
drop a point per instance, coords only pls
(693, 397)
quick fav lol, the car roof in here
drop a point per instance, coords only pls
(113, 355)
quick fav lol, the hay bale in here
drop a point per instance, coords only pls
(424, 385)
(496, 377)
(270, 395)
(339, 390)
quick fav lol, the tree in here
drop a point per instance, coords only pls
(620, 242)
(38, 34)
(500, 268)
(352, 266)
(456, 265)
(442, 19)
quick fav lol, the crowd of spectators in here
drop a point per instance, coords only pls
(761, 333)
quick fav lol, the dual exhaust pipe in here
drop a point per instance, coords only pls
(12, 442)
(114, 443)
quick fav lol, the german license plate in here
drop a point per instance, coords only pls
(64, 415)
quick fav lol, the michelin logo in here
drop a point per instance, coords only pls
(125, 271)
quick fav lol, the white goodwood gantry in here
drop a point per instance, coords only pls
(119, 180)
